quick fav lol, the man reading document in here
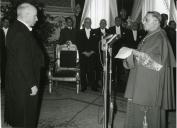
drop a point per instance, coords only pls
(150, 87)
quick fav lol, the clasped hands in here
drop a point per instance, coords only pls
(88, 54)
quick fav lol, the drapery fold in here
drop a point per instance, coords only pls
(173, 11)
(162, 6)
(113, 12)
(107, 9)
(148, 5)
(137, 9)
(100, 9)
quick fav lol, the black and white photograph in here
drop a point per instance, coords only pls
(88, 63)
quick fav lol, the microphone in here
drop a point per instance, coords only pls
(108, 37)
(114, 37)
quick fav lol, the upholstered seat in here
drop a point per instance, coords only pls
(66, 67)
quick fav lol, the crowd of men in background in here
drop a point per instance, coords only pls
(88, 42)
(22, 60)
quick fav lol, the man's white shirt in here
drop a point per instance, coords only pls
(87, 32)
(118, 31)
(134, 34)
(5, 31)
(103, 31)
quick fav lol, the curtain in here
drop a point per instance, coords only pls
(162, 6)
(173, 11)
(148, 5)
(113, 12)
(137, 9)
(100, 9)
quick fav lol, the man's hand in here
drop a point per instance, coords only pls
(136, 53)
(34, 91)
(125, 64)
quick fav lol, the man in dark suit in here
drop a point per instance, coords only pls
(124, 40)
(5, 25)
(68, 34)
(100, 32)
(171, 33)
(137, 35)
(2, 40)
(2, 51)
(123, 33)
(24, 61)
(3, 33)
(87, 49)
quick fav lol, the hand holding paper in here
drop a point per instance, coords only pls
(141, 58)
(124, 52)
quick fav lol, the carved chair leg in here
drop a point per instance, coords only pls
(77, 82)
(50, 81)
(50, 85)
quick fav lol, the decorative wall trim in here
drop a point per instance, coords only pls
(61, 7)
(3, 3)
(58, 11)
(54, 10)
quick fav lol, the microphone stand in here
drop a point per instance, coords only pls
(108, 110)
(110, 88)
(105, 82)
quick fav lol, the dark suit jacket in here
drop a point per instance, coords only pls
(2, 46)
(124, 40)
(140, 35)
(172, 38)
(99, 33)
(67, 34)
(2, 57)
(24, 60)
(99, 52)
(85, 44)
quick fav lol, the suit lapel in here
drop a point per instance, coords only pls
(92, 34)
(85, 34)
(114, 29)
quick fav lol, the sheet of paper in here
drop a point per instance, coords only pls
(124, 52)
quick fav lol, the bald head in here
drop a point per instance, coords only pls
(27, 13)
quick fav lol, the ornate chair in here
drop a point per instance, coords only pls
(66, 67)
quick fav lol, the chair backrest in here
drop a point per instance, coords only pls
(67, 56)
